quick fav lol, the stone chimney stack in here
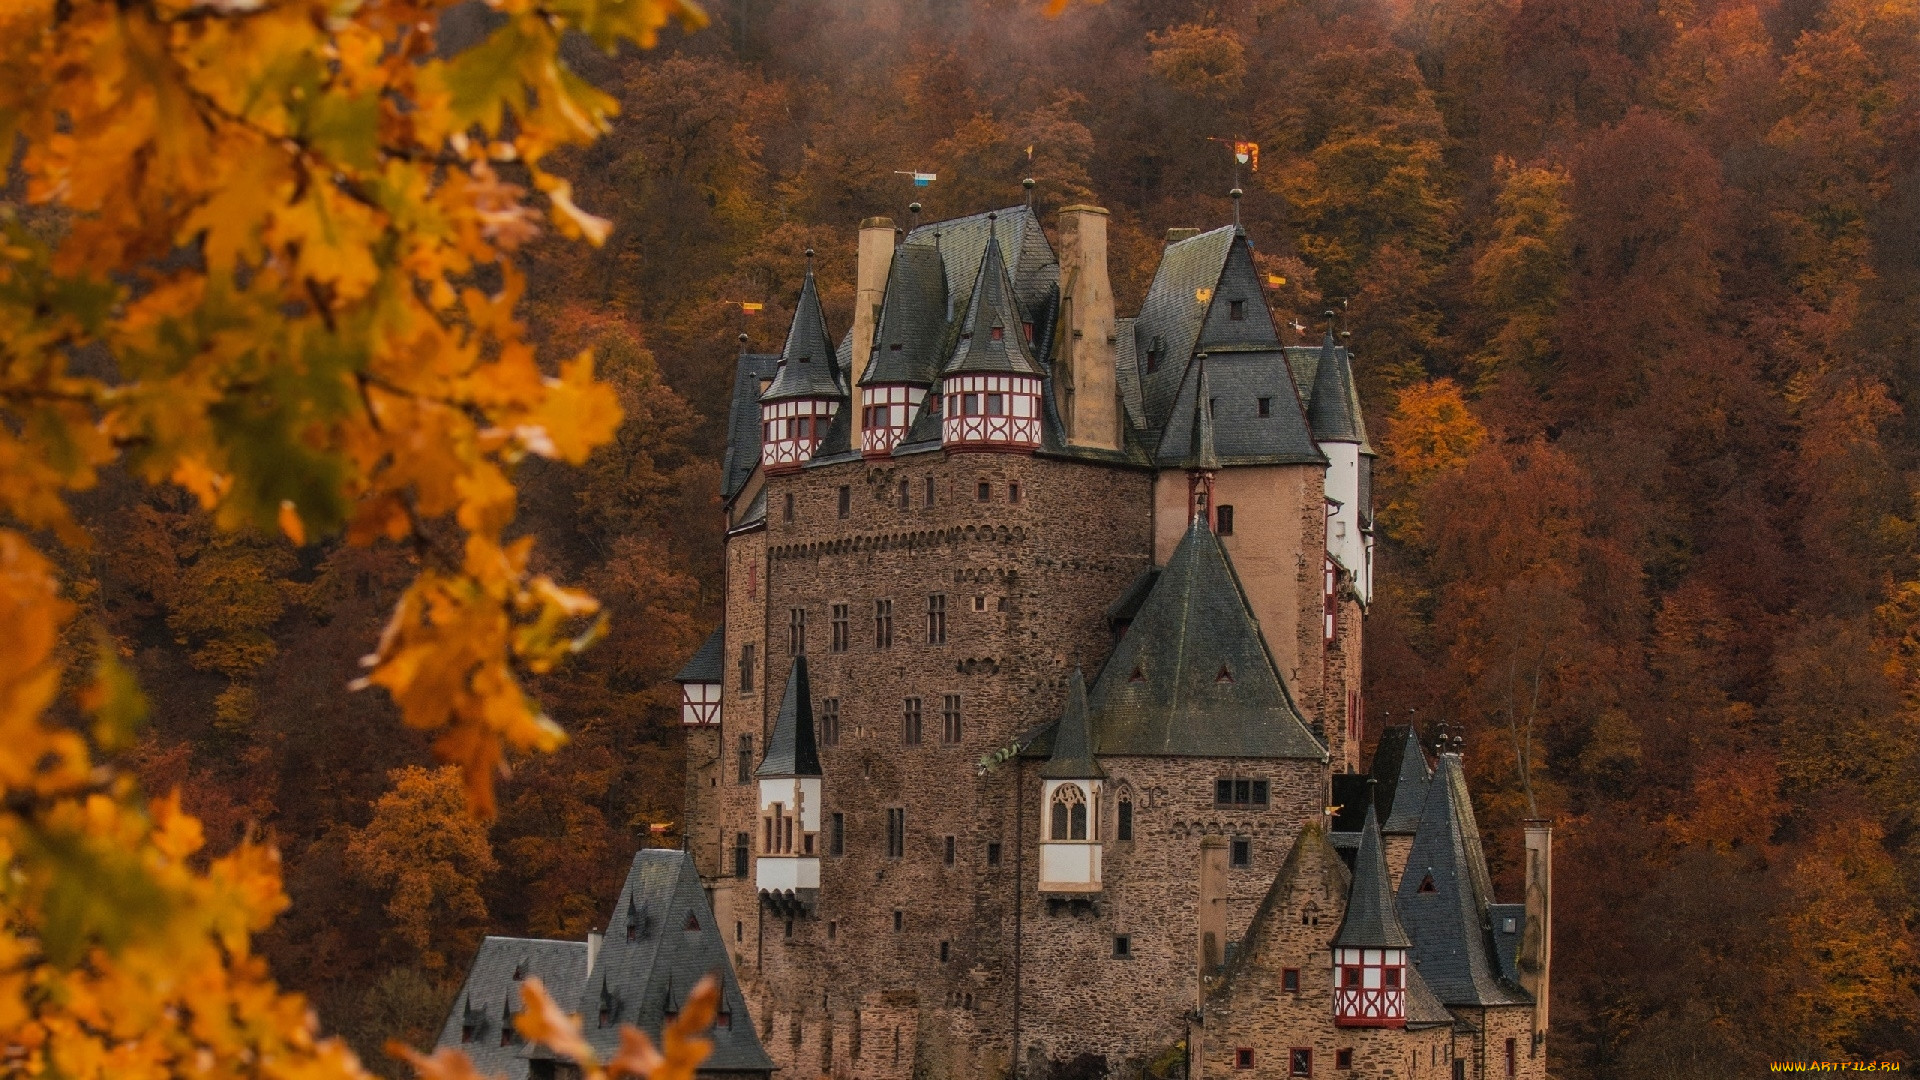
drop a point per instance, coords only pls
(1536, 943)
(874, 260)
(1086, 386)
(1212, 936)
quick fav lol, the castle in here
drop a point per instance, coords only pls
(1031, 741)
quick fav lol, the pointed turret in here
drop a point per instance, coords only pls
(1070, 802)
(788, 871)
(906, 358)
(1333, 409)
(791, 750)
(990, 385)
(1401, 768)
(1443, 897)
(807, 387)
(1370, 951)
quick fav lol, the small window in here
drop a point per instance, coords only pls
(937, 619)
(1390, 978)
(1237, 310)
(1508, 924)
(1266, 406)
(1300, 1061)
(1013, 493)
(1512, 1057)
(1243, 1058)
(899, 920)
(998, 333)
(1459, 1069)
(1223, 520)
(1426, 884)
(746, 668)
(950, 720)
(948, 858)
(1343, 1058)
(740, 846)
(910, 722)
(796, 631)
(833, 929)
(744, 760)
(1122, 947)
(896, 842)
(1026, 328)
(1124, 826)
(846, 500)
(944, 952)
(979, 603)
(984, 491)
(1242, 852)
(830, 721)
(993, 853)
(906, 496)
(929, 490)
(1224, 675)
(692, 923)
(1259, 793)
(1136, 675)
(837, 835)
(1290, 980)
(1350, 977)
(787, 511)
(1223, 792)
(842, 627)
(789, 927)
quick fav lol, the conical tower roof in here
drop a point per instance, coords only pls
(1333, 409)
(791, 750)
(1401, 769)
(1193, 677)
(913, 319)
(992, 339)
(1072, 740)
(1371, 922)
(808, 368)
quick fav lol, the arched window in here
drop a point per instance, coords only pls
(1069, 813)
(1124, 824)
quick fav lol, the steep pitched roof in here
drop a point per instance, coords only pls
(1173, 312)
(1333, 408)
(1030, 260)
(809, 365)
(1370, 922)
(491, 993)
(790, 749)
(743, 421)
(992, 338)
(1309, 846)
(705, 664)
(913, 317)
(1072, 744)
(1193, 677)
(1401, 768)
(1200, 443)
(649, 976)
(1444, 895)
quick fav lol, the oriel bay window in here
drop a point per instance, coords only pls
(1370, 987)
(1069, 813)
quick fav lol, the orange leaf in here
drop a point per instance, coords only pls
(637, 1057)
(446, 1063)
(545, 1022)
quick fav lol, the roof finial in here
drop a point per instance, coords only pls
(993, 215)
(1235, 196)
(1028, 184)
(914, 209)
(743, 343)
(809, 260)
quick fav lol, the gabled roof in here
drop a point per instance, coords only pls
(1333, 406)
(809, 365)
(705, 665)
(682, 946)
(992, 338)
(1193, 676)
(743, 421)
(1452, 946)
(1072, 745)
(491, 993)
(1236, 383)
(1030, 261)
(1401, 768)
(913, 318)
(790, 749)
(1310, 846)
(1173, 312)
(1370, 922)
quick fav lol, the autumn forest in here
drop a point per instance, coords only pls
(1633, 289)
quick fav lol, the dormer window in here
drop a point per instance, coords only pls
(1224, 675)
(999, 332)
(1027, 329)
(693, 922)
(1426, 884)
(1136, 675)
(1237, 310)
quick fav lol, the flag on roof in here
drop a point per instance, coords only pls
(1248, 154)
(922, 179)
(752, 308)
(1274, 281)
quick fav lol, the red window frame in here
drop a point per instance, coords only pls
(1512, 1055)
(1294, 1058)
(1243, 1057)
(1290, 980)
(1343, 1058)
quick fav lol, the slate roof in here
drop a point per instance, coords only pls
(1126, 366)
(991, 307)
(705, 666)
(1072, 744)
(1424, 1008)
(743, 421)
(1506, 947)
(1031, 264)
(1201, 455)
(1333, 405)
(491, 994)
(809, 366)
(676, 944)
(1305, 363)
(790, 749)
(1236, 383)
(1172, 315)
(1452, 946)
(1401, 768)
(1134, 596)
(913, 319)
(1370, 922)
(1162, 691)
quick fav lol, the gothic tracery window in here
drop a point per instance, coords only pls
(1069, 813)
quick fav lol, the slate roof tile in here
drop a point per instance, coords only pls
(705, 664)
(791, 750)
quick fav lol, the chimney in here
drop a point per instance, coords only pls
(1086, 389)
(1174, 236)
(874, 260)
(594, 940)
(1213, 911)
(1536, 943)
